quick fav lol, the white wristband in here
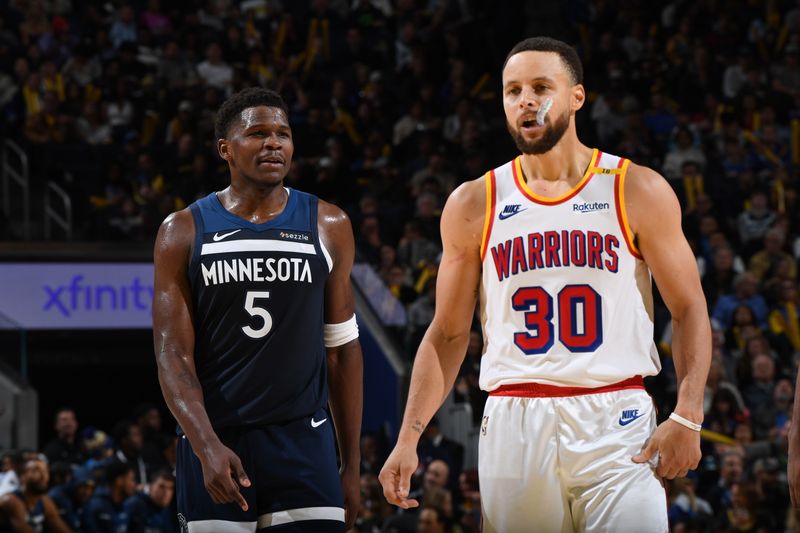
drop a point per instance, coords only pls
(685, 423)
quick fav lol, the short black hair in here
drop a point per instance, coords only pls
(164, 474)
(567, 54)
(117, 469)
(232, 108)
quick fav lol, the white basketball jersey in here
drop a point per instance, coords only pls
(565, 298)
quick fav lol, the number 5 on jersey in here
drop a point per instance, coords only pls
(254, 310)
(580, 319)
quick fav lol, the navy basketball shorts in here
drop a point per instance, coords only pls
(295, 484)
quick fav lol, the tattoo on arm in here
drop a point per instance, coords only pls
(418, 426)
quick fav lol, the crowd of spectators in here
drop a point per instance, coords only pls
(87, 480)
(392, 105)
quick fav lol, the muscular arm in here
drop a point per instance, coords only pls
(444, 345)
(655, 219)
(52, 518)
(345, 362)
(173, 330)
(173, 339)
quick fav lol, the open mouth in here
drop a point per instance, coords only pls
(529, 123)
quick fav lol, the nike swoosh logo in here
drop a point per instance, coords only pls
(503, 216)
(315, 424)
(217, 237)
(625, 422)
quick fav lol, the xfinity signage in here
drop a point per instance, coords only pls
(76, 295)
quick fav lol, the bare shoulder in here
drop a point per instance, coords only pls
(649, 199)
(332, 217)
(469, 197)
(643, 182)
(177, 224)
(175, 237)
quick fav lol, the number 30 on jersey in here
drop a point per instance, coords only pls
(580, 319)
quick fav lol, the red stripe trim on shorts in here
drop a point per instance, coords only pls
(539, 390)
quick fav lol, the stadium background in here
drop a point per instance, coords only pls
(393, 104)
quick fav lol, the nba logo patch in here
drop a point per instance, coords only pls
(484, 424)
(184, 527)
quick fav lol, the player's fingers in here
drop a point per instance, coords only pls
(239, 498)
(404, 484)
(646, 453)
(388, 480)
(411, 503)
(238, 471)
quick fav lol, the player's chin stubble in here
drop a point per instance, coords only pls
(548, 140)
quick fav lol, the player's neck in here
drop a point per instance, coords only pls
(566, 161)
(256, 204)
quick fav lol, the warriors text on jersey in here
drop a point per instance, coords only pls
(565, 295)
(258, 293)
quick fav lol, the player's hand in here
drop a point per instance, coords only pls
(678, 449)
(395, 476)
(223, 474)
(351, 488)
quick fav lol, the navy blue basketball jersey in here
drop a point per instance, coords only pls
(35, 516)
(258, 292)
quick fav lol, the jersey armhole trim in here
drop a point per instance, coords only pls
(197, 245)
(327, 254)
(489, 214)
(622, 213)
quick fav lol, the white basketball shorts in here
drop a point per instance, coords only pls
(558, 459)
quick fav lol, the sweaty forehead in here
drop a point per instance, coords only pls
(253, 116)
(529, 65)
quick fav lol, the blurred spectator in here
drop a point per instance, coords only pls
(432, 520)
(686, 506)
(420, 314)
(773, 417)
(754, 222)
(214, 71)
(741, 513)
(150, 511)
(758, 394)
(10, 471)
(730, 474)
(67, 446)
(29, 508)
(435, 445)
(128, 444)
(414, 250)
(745, 287)
(123, 30)
(764, 263)
(70, 497)
(683, 152)
(104, 513)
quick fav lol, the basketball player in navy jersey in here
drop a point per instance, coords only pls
(253, 320)
(559, 246)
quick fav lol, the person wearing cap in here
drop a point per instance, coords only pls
(71, 496)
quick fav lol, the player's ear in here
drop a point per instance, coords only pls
(578, 97)
(223, 148)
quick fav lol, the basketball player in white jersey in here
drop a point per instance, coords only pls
(559, 245)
